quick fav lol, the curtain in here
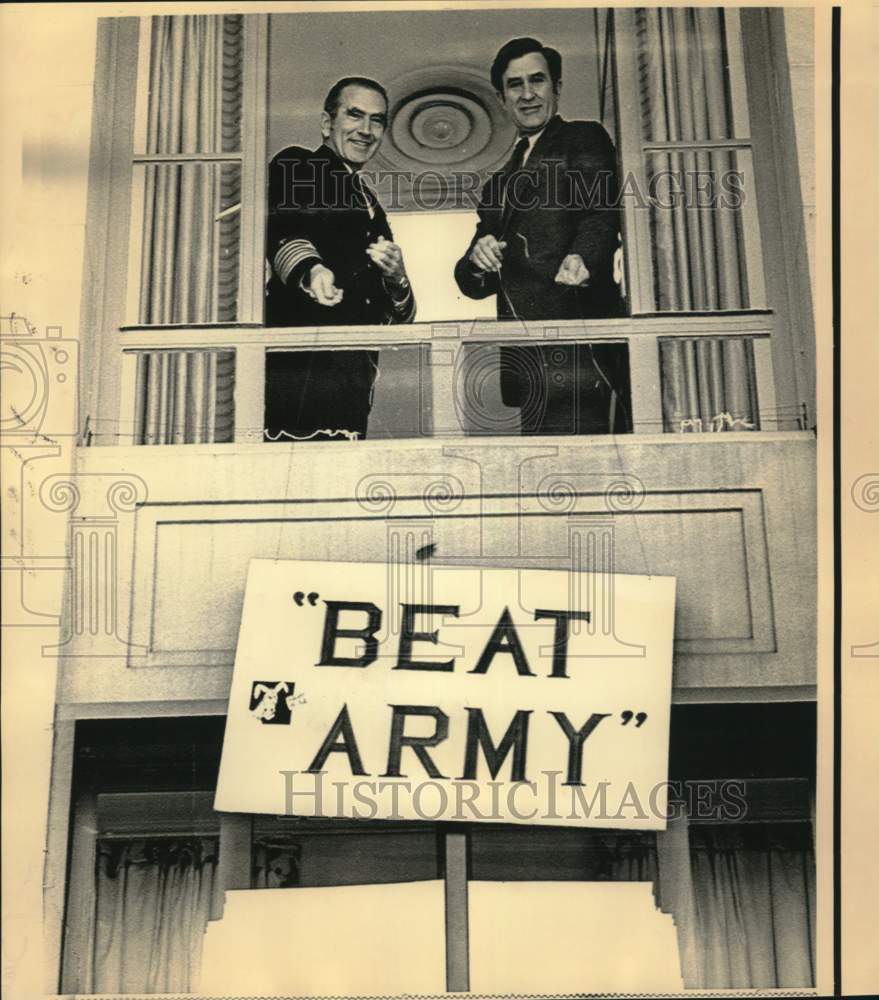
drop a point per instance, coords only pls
(742, 899)
(184, 397)
(699, 261)
(152, 905)
(616, 856)
(191, 213)
(708, 384)
(195, 84)
(754, 889)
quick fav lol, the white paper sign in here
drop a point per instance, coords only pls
(481, 695)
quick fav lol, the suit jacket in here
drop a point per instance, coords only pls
(562, 201)
(317, 215)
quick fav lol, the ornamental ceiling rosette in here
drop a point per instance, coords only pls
(447, 133)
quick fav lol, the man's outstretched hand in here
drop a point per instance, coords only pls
(572, 271)
(322, 286)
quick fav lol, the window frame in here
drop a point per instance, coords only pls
(634, 149)
(122, 68)
(783, 335)
(250, 157)
(775, 244)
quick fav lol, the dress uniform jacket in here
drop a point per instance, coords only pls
(321, 212)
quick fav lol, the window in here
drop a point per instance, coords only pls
(186, 222)
(695, 242)
(150, 859)
(144, 854)
(706, 336)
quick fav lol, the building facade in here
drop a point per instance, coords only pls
(174, 488)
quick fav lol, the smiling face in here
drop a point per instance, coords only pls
(529, 95)
(356, 129)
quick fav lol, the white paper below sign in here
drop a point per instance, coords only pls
(533, 938)
(570, 937)
(373, 940)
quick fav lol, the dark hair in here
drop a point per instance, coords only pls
(515, 49)
(331, 103)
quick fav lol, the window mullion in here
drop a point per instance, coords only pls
(250, 401)
(770, 418)
(254, 112)
(131, 402)
(645, 378)
(80, 912)
(234, 863)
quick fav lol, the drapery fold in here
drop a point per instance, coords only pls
(191, 209)
(708, 384)
(755, 906)
(184, 397)
(191, 235)
(195, 84)
(695, 206)
(151, 909)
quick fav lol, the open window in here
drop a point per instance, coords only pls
(200, 102)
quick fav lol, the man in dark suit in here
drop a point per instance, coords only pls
(334, 262)
(544, 245)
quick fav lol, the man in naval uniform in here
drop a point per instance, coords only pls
(334, 262)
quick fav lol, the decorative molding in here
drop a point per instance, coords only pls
(446, 121)
(590, 533)
(94, 503)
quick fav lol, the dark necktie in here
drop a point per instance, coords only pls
(516, 161)
(518, 157)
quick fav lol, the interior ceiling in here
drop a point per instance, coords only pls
(445, 116)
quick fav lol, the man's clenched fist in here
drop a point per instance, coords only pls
(322, 286)
(572, 271)
(488, 253)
